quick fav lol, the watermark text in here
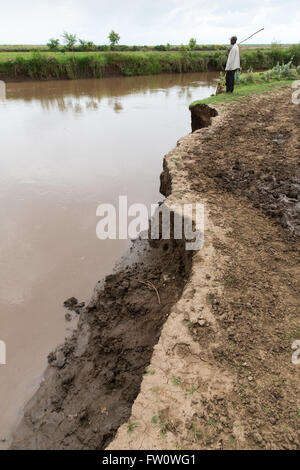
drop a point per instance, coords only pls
(296, 354)
(296, 94)
(162, 221)
(2, 353)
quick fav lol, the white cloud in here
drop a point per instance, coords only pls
(149, 22)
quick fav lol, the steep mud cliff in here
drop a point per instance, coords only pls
(181, 351)
(222, 375)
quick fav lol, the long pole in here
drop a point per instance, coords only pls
(251, 36)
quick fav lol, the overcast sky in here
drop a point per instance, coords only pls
(149, 22)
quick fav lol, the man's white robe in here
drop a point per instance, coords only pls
(233, 62)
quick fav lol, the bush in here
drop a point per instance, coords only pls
(192, 44)
(248, 77)
(160, 48)
(294, 52)
(114, 38)
(103, 48)
(283, 71)
(82, 45)
(53, 44)
(69, 40)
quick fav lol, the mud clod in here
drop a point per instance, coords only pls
(70, 303)
(202, 116)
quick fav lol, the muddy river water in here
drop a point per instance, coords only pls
(66, 147)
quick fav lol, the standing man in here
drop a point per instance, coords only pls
(233, 64)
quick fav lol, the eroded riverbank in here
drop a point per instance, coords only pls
(65, 161)
(221, 375)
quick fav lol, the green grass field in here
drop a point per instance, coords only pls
(13, 51)
(44, 65)
(58, 55)
(43, 47)
(253, 84)
(242, 91)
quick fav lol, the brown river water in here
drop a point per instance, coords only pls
(66, 147)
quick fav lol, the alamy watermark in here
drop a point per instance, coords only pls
(296, 354)
(296, 94)
(179, 222)
(2, 91)
(2, 353)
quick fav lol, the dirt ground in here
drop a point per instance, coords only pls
(222, 372)
(211, 366)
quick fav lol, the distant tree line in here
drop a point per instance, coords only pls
(70, 42)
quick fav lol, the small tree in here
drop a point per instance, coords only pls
(86, 45)
(53, 44)
(192, 44)
(114, 38)
(183, 49)
(83, 44)
(91, 46)
(69, 40)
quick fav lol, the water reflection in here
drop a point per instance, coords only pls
(80, 95)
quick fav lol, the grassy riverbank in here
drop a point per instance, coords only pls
(40, 65)
(254, 84)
